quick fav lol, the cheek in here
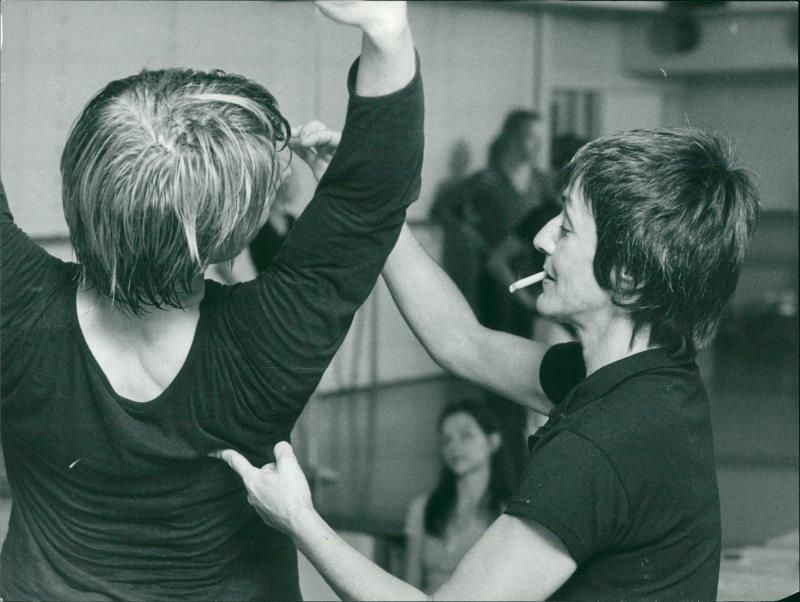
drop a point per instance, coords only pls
(480, 449)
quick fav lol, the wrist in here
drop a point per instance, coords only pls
(387, 36)
(301, 520)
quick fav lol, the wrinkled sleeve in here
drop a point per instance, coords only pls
(292, 319)
(25, 267)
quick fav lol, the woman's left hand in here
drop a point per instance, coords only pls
(278, 491)
(315, 144)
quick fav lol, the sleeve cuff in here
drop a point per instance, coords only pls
(568, 537)
(408, 88)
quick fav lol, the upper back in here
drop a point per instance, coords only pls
(139, 355)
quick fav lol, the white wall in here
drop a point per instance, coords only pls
(585, 51)
(741, 37)
(758, 112)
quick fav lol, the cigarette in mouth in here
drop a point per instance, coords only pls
(527, 281)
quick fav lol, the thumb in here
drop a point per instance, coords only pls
(284, 454)
(235, 460)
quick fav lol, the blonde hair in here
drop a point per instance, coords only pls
(165, 172)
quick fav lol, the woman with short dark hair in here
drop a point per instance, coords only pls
(619, 498)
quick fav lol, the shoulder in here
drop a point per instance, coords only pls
(572, 488)
(654, 427)
(655, 404)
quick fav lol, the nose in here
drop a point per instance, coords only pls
(544, 240)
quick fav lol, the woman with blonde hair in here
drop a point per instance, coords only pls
(122, 371)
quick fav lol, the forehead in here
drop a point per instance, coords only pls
(458, 421)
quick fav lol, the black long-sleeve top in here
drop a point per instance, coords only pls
(114, 498)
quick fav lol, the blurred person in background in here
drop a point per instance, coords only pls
(474, 488)
(122, 371)
(619, 498)
(496, 200)
(514, 258)
(460, 242)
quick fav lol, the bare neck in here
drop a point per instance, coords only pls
(607, 341)
(472, 487)
(139, 355)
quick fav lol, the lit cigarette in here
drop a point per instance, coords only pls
(527, 281)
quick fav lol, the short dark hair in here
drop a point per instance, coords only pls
(674, 218)
(165, 172)
(517, 118)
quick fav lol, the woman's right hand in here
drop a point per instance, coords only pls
(315, 144)
(373, 18)
(278, 491)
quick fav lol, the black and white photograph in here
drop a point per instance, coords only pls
(399, 300)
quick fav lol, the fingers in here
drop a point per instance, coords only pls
(236, 461)
(285, 458)
(308, 128)
(313, 134)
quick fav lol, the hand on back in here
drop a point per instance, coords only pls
(278, 491)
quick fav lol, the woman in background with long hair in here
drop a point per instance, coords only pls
(473, 490)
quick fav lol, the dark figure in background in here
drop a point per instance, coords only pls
(460, 243)
(495, 200)
(515, 257)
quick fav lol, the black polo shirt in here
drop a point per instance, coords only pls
(623, 473)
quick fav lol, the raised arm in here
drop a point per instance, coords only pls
(291, 320)
(444, 323)
(26, 269)
(387, 51)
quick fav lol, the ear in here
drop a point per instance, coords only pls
(495, 440)
(626, 285)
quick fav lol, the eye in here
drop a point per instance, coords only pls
(564, 229)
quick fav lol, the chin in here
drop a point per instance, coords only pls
(544, 309)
